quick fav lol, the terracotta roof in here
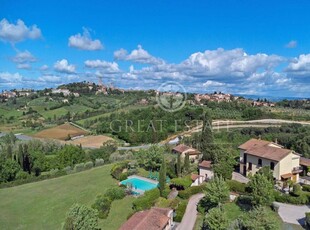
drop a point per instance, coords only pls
(253, 143)
(265, 149)
(195, 177)
(184, 148)
(287, 175)
(152, 219)
(304, 161)
(205, 164)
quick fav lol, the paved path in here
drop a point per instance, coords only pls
(239, 177)
(189, 218)
(293, 214)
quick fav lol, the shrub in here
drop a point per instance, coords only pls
(21, 175)
(81, 217)
(307, 220)
(118, 168)
(306, 188)
(123, 176)
(297, 200)
(103, 205)
(180, 211)
(244, 200)
(296, 189)
(99, 162)
(147, 200)
(236, 186)
(116, 193)
(165, 203)
(68, 169)
(187, 193)
(79, 167)
(166, 192)
(181, 183)
(88, 165)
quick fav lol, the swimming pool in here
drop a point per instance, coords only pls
(139, 183)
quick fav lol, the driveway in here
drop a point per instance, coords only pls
(239, 177)
(293, 214)
(189, 218)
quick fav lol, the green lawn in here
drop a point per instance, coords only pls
(43, 205)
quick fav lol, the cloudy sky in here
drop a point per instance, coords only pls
(242, 47)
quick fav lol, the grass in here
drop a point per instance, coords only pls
(43, 205)
(119, 212)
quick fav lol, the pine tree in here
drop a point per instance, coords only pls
(186, 163)
(162, 177)
(206, 139)
(179, 165)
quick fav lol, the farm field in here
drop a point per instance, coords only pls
(43, 205)
(60, 132)
(90, 141)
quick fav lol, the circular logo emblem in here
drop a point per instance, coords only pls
(171, 96)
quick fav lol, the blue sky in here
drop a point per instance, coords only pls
(243, 47)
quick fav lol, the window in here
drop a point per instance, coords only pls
(260, 162)
(271, 165)
(250, 166)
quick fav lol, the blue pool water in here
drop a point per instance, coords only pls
(140, 184)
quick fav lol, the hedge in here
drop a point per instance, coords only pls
(306, 188)
(287, 198)
(147, 200)
(88, 165)
(180, 211)
(182, 183)
(79, 167)
(236, 186)
(99, 162)
(118, 168)
(187, 193)
(115, 193)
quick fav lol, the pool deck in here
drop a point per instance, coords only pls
(144, 178)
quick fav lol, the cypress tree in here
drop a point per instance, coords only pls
(162, 177)
(186, 163)
(179, 165)
(206, 139)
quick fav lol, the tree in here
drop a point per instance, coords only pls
(70, 155)
(103, 205)
(8, 170)
(162, 177)
(266, 171)
(216, 193)
(81, 217)
(179, 165)
(216, 219)
(261, 190)
(206, 139)
(224, 165)
(186, 163)
(259, 219)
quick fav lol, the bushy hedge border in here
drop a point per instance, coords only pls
(187, 193)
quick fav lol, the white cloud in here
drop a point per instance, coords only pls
(138, 55)
(24, 57)
(64, 67)
(227, 63)
(213, 84)
(291, 44)
(23, 66)
(50, 79)
(18, 32)
(44, 67)
(84, 42)
(8, 77)
(299, 66)
(108, 67)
